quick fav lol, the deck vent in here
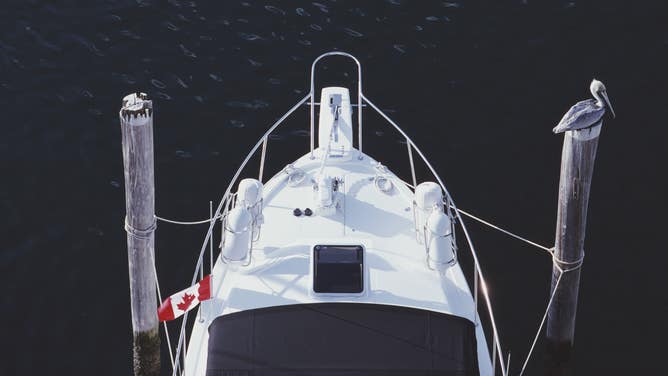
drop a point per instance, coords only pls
(338, 269)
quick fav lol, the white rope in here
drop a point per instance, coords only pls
(542, 322)
(226, 195)
(157, 287)
(559, 265)
(549, 250)
(203, 221)
(139, 233)
(567, 266)
(263, 140)
(508, 364)
(147, 234)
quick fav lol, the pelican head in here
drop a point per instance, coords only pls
(599, 92)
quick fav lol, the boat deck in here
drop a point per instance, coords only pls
(396, 271)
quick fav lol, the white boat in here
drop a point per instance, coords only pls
(336, 266)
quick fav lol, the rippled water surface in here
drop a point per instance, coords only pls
(479, 85)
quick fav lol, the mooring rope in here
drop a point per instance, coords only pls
(157, 287)
(478, 219)
(146, 234)
(560, 265)
(187, 223)
(567, 266)
(542, 322)
(139, 233)
(549, 250)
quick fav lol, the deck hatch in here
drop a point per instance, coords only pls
(338, 269)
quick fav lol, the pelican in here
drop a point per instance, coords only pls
(586, 113)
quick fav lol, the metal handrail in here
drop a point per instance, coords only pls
(218, 211)
(359, 97)
(479, 280)
(477, 269)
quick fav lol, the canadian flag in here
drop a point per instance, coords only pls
(185, 300)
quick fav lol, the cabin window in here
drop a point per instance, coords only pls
(338, 269)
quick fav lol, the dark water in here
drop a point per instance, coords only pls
(477, 84)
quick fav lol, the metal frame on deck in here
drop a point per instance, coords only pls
(479, 283)
(359, 96)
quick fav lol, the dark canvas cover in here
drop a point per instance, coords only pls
(337, 339)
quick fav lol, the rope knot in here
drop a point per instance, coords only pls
(139, 233)
(567, 266)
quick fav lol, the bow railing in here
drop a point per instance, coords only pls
(479, 283)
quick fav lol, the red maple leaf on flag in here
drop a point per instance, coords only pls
(185, 301)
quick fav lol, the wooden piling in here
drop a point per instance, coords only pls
(577, 166)
(136, 117)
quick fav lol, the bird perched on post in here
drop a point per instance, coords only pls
(586, 113)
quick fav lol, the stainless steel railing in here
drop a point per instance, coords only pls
(181, 343)
(478, 279)
(359, 96)
(479, 284)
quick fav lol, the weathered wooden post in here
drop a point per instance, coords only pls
(582, 127)
(136, 118)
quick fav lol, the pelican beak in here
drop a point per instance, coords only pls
(604, 94)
